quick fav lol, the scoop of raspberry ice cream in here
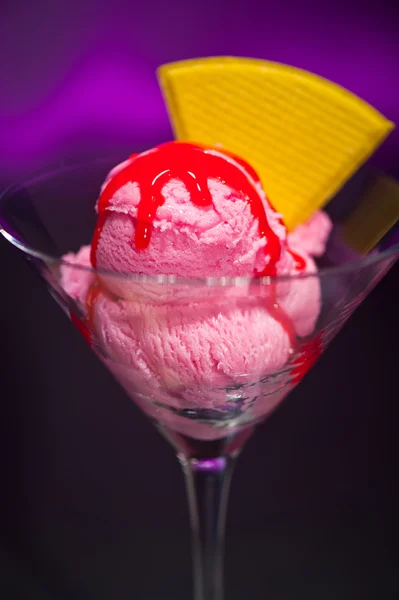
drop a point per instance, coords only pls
(188, 348)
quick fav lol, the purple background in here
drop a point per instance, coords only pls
(78, 77)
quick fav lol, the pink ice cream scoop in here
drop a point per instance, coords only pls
(311, 237)
(75, 281)
(183, 210)
(195, 213)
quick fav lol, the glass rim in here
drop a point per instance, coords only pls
(334, 270)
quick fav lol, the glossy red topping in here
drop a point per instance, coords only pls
(193, 165)
(300, 263)
(310, 354)
(86, 326)
(92, 296)
(81, 327)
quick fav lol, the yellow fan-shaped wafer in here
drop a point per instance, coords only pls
(304, 135)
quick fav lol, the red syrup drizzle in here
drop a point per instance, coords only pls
(92, 297)
(81, 327)
(300, 263)
(310, 354)
(193, 165)
(86, 326)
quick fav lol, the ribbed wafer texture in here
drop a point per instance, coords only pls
(304, 135)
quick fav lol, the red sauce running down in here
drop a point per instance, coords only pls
(193, 165)
(81, 326)
(305, 360)
(300, 263)
(86, 326)
(91, 300)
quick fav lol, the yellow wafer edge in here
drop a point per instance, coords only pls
(304, 135)
(373, 217)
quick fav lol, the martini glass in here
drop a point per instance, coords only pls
(206, 421)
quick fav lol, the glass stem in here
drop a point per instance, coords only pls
(208, 482)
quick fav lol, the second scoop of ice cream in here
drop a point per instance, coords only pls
(207, 217)
(194, 213)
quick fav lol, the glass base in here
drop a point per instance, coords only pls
(206, 449)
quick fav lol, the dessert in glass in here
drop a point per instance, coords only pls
(207, 299)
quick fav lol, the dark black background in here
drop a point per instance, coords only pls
(92, 498)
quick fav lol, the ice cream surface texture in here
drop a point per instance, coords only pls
(191, 212)
(195, 213)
